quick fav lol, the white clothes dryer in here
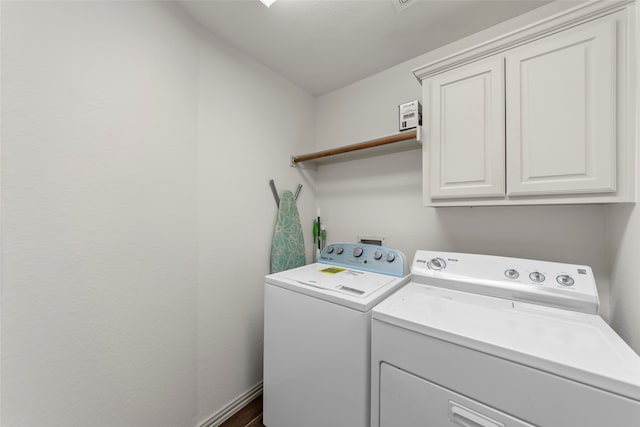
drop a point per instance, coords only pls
(317, 335)
(490, 341)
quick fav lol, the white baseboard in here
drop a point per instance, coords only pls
(232, 407)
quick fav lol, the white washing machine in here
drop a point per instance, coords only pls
(489, 341)
(317, 335)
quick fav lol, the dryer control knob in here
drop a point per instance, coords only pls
(330, 250)
(339, 251)
(511, 274)
(377, 255)
(537, 277)
(390, 257)
(357, 252)
(565, 280)
(437, 264)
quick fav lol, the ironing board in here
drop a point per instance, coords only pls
(287, 250)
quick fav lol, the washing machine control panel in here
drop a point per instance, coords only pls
(566, 286)
(365, 257)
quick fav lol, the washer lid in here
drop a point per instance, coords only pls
(353, 288)
(570, 344)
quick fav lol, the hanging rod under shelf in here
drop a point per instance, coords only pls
(366, 147)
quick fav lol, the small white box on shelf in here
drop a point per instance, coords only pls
(410, 115)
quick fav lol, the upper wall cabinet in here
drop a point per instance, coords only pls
(561, 122)
(540, 116)
(467, 119)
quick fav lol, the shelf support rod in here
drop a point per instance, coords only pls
(402, 136)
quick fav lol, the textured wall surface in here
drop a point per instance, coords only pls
(136, 213)
(98, 215)
(249, 122)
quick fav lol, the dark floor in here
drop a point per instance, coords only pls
(249, 416)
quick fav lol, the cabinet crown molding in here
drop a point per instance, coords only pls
(554, 23)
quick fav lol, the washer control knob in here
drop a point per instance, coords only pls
(537, 277)
(357, 252)
(377, 255)
(565, 280)
(511, 274)
(391, 257)
(437, 264)
(339, 250)
(330, 250)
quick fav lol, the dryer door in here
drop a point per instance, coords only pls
(408, 401)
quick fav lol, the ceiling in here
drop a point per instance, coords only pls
(323, 45)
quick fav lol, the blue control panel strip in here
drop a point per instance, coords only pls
(365, 257)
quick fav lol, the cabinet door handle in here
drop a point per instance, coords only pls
(467, 418)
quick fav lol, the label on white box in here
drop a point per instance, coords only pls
(410, 115)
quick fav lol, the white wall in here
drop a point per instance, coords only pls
(250, 121)
(624, 246)
(383, 195)
(98, 215)
(136, 213)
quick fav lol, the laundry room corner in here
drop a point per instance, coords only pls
(623, 225)
(137, 217)
(319, 213)
(250, 120)
(384, 195)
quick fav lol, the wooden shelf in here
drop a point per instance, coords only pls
(403, 141)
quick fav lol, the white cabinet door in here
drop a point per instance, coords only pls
(467, 132)
(561, 113)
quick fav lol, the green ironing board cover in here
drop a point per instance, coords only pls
(287, 250)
